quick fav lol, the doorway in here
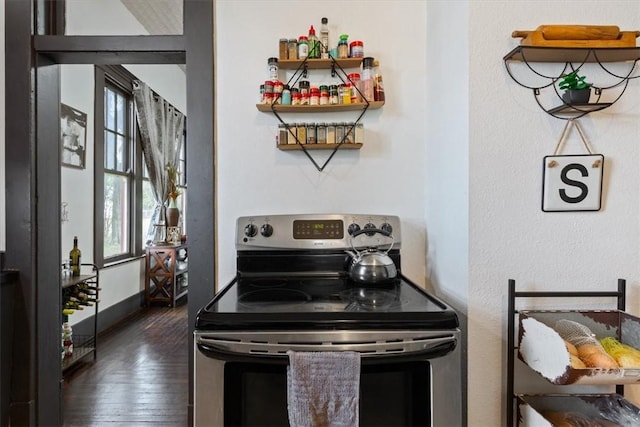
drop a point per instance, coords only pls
(32, 67)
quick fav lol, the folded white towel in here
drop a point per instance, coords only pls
(323, 389)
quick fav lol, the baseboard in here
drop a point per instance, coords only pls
(108, 317)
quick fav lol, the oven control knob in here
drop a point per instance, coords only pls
(386, 227)
(369, 226)
(353, 228)
(266, 230)
(250, 230)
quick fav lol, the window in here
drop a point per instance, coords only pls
(123, 201)
(118, 168)
(117, 173)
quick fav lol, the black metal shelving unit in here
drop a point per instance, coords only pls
(574, 58)
(512, 312)
(85, 344)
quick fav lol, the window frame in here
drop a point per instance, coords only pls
(118, 77)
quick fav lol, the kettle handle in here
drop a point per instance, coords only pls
(374, 231)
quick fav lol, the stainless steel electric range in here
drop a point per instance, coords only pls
(293, 291)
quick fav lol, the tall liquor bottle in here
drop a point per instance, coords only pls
(74, 258)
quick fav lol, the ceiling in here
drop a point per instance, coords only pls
(157, 16)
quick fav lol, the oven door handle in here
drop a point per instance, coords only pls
(429, 346)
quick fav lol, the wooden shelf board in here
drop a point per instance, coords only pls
(316, 64)
(344, 146)
(578, 109)
(267, 108)
(573, 54)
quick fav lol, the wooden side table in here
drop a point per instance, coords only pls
(166, 278)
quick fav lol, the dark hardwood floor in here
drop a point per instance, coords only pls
(140, 377)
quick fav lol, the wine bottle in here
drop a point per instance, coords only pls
(84, 297)
(88, 287)
(81, 301)
(74, 258)
(72, 306)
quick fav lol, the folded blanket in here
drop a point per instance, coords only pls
(323, 389)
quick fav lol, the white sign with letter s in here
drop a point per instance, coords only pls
(572, 183)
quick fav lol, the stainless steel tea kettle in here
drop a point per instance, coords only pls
(371, 266)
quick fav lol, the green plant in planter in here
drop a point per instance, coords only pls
(576, 89)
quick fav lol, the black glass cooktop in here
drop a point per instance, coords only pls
(335, 303)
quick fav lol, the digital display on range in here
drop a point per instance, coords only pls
(318, 229)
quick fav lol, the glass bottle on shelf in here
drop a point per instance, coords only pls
(314, 45)
(74, 258)
(378, 86)
(366, 82)
(324, 39)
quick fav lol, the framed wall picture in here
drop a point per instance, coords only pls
(73, 136)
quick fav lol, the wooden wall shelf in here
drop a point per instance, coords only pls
(268, 108)
(316, 64)
(343, 146)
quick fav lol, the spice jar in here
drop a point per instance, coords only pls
(272, 67)
(286, 95)
(331, 133)
(283, 49)
(333, 95)
(296, 98)
(314, 96)
(344, 94)
(349, 131)
(339, 133)
(278, 87)
(343, 47)
(356, 49)
(367, 78)
(292, 47)
(302, 133)
(354, 79)
(359, 133)
(324, 95)
(303, 47)
(282, 135)
(311, 133)
(321, 133)
(304, 92)
(268, 86)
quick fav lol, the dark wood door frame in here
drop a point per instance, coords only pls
(33, 181)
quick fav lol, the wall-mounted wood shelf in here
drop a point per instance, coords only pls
(316, 64)
(343, 146)
(268, 108)
(573, 54)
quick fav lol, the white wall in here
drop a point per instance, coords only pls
(386, 176)
(77, 90)
(509, 236)
(446, 160)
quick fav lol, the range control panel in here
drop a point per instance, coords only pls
(316, 231)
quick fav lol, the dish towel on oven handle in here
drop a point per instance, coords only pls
(323, 389)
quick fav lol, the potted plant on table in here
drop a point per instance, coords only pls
(576, 89)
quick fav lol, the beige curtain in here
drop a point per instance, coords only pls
(162, 130)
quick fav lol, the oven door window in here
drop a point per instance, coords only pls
(391, 394)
